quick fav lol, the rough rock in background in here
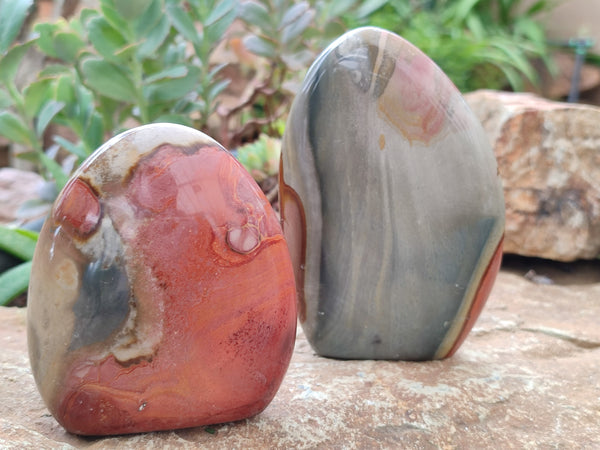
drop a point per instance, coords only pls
(549, 159)
(16, 188)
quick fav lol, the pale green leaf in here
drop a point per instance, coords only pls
(217, 88)
(260, 46)
(108, 80)
(5, 99)
(112, 16)
(174, 88)
(9, 63)
(294, 13)
(45, 41)
(17, 242)
(131, 9)
(215, 31)
(256, 14)
(12, 16)
(368, 7)
(54, 169)
(67, 46)
(74, 149)
(145, 24)
(47, 113)
(14, 129)
(219, 11)
(14, 282)
(296, 28)
(170, 72)
(183, 23)
(35, 95)
(155, 38)
(105, 39)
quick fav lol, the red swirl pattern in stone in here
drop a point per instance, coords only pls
(181, 303)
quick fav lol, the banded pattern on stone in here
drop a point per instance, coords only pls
(162, 293)
(391, 203)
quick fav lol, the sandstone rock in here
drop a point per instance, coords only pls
(549, 158)
(526, 377)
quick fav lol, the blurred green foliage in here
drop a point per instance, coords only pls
(478, 43)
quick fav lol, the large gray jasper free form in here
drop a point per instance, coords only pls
(391, 203)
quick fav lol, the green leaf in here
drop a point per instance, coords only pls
(219, 11)
(131, 9)
(65, 92)
(54, 70)
(112, 16)
(260, 46)
(9, 63)
(155, 38)
(5, 99)
(173, 88)
(14, 282)
(296, 28)
(45, 41)
(294, 13)
(170, 72)
(109, 80)
(13, 128)
(105, 39)
(35, 95)
(145, 23)
(538, 7)
(217, 88)
(215, 70)
(215, 31)
(464, 8)
(183, 23)
(12, 15)
(47, 113)
(54, 169)
(94, 134)
(369, 7)
(17, 242)
(68, 46)
(74, 149)
(256, 14)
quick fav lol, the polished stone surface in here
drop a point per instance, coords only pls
(391, 203)
(162, 293)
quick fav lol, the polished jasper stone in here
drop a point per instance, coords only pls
(162, 292)
(391, 203)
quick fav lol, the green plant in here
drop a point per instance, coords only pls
(261, 157)
(287, 36)
(127, 63)
(21, 244)
(478, 43)
(24, 113)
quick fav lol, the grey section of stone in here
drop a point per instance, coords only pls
(398, 182)
(526, 377)
(549, 159)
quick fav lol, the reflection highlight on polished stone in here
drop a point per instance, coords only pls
(162, 293)
(391, 203)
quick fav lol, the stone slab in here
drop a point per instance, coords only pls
(526, 377)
